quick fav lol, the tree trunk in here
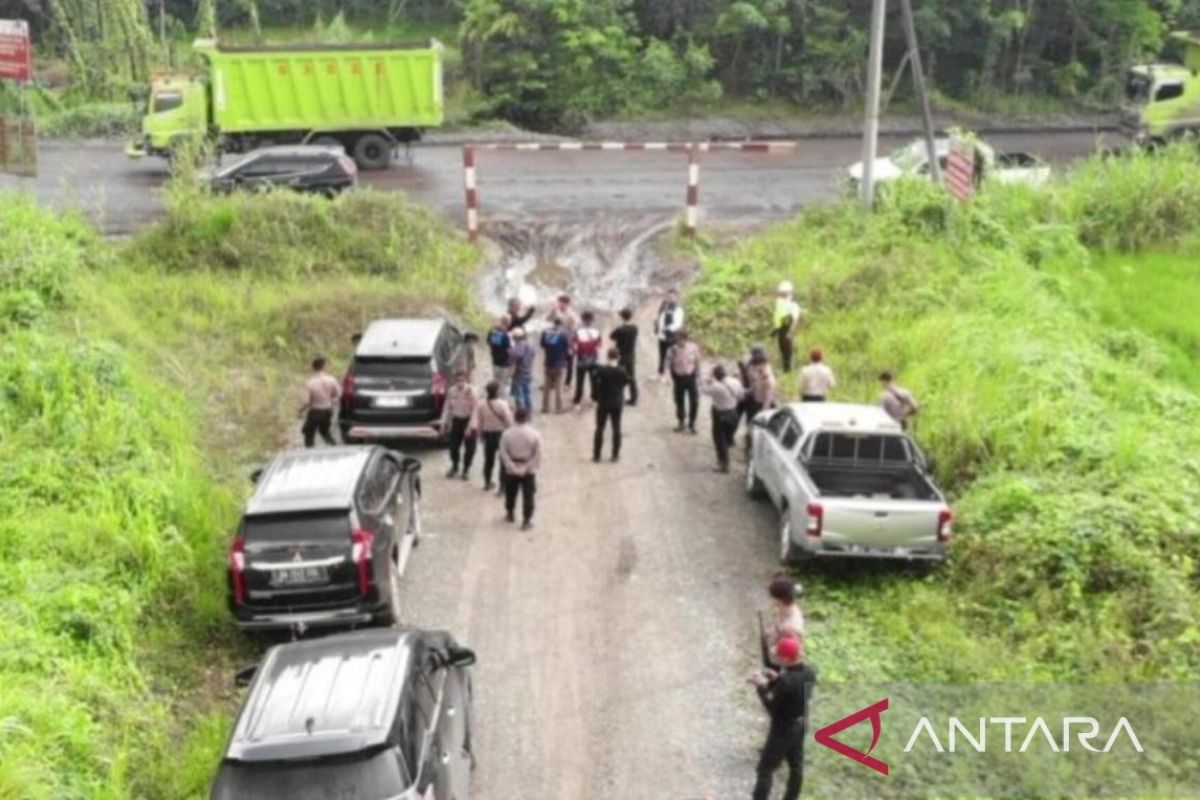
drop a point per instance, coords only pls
(895, 84)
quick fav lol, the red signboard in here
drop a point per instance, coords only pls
(15, 62)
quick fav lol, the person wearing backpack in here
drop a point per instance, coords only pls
(587, 355)
(667, 325)
(499, 344)
(557, 347)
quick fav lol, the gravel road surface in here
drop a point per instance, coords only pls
(615, 637)
(123, 195)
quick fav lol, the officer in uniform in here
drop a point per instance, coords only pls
(785, 695)
(784, 322)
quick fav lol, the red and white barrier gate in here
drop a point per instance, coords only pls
(692, 149)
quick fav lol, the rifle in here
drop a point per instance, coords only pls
(762, 641)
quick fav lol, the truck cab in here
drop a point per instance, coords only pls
(1163, 100)
(176, 112)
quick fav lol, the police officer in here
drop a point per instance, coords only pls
(785, 695)
(784, 322)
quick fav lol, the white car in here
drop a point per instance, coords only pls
(913, 159)
(847, 481)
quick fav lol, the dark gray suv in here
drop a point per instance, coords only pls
(325, 539)
(368, 715)
(396, 384)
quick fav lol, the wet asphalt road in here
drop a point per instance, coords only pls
(124, 195)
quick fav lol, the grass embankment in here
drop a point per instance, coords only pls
(138, 380)
(1052, 339)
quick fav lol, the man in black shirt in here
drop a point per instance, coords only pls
(518, 317)
(785, 696)
(625, 337)
(608, 390)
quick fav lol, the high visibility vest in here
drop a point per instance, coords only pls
(785, 309)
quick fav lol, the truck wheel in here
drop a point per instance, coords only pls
(754, 487)
(787, 548)
(373, 151)
(390, 615)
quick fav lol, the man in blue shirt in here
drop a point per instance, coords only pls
(557, 346)
(499, 347)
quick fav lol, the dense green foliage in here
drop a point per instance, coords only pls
(557, 63)
(91, 120)
(1058, 400)
(140, 380)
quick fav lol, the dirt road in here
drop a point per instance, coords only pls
(614, 638)
(124, 195)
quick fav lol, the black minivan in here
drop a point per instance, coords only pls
(396, 384)
(325, 539)
(368, 715)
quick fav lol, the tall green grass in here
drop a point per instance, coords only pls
(138, 382)
(1057, 399)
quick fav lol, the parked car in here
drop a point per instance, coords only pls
(368, 715)
(325, 539)
(318, 169)
(396, 384)
(913, 159)
(847, 481)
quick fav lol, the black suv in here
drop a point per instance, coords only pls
(325, 539)
(304, 168)
(396, 384)
(369, 715)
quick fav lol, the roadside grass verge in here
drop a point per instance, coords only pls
(140, 382)
(91, 121)
(1058, 401)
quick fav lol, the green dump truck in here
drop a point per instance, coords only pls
(369, 98)
(1162, 100)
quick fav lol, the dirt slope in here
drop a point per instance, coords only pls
(614, 638)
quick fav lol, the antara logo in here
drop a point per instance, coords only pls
(1080, 730)
(871, 712)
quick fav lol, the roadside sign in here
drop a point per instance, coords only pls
(15, 52)
(18, 145)
(960, 169)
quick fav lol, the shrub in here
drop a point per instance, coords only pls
(1065, 442)
(91, 121)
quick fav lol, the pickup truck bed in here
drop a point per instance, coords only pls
(896, 483)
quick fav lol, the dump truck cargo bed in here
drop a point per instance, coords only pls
(324, 87)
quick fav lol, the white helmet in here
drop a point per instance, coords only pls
(785, 287)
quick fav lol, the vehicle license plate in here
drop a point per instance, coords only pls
(392, 402)
(299, 576)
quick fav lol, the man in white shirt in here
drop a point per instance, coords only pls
(667, 324)
(816, 379)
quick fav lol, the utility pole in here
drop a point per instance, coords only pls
(871, 126)
(918, 71)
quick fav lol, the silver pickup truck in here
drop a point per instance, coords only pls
(847, 481)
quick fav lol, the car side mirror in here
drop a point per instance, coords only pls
(931, 465)
(460, 657)
(759, 422)
(256, 474)
(410, 464)
(245, 676)
(470, 337)
(356, 338)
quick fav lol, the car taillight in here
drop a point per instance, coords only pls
(361, 543)
(439, 387)
(348, 389)
(816, 519)
(945, 527)
(237, 570)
